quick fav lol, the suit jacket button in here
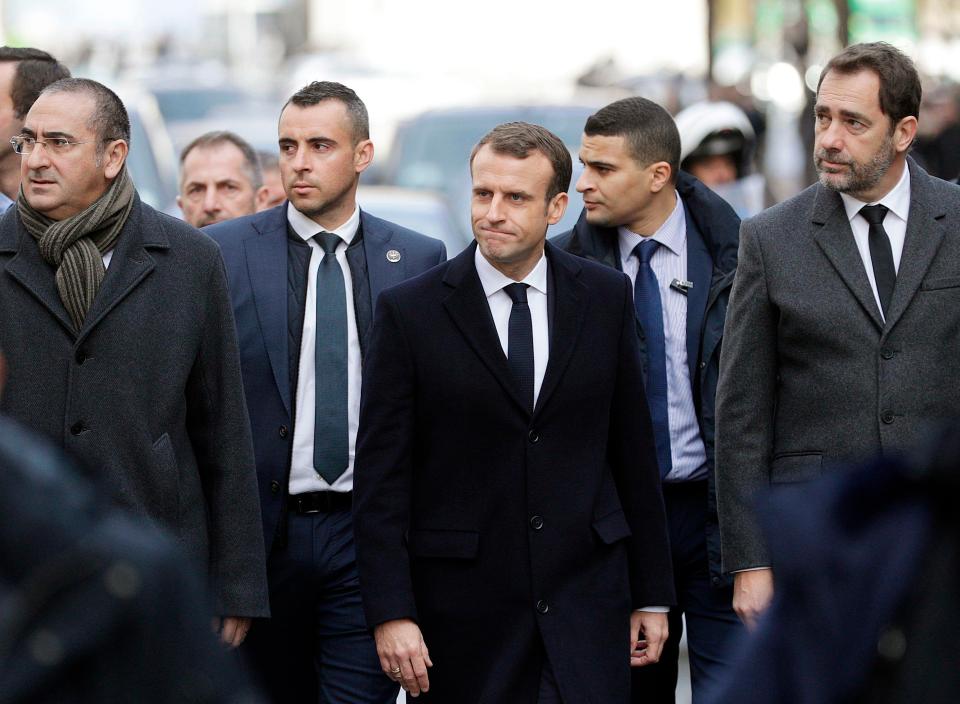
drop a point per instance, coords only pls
(543, 607)
(533, 436)
(887, 353)
(274, 486)
(283, 431)
(887, 417)
(703, 365)
(77, 428)
(536, 522)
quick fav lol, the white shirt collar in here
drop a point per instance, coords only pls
(494, 280)
(307, 228)
(670, 234)
(897, 200)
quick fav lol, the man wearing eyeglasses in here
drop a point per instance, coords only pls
(24, 72)
(121, 343)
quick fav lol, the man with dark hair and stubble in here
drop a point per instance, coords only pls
(677, 241)
(121, 345)
(509, 519)
(304, 277)
(24, 72)
(220, 178)
(844, 316)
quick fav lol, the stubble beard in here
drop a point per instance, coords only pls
(860, 178)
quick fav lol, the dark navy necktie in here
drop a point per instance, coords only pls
(646, 296)
(520, 340)
(881, 254)
(330, 433)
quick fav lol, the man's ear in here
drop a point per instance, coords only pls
(661, 176)
(363, 155)
(114, 156)
(260, 199)
(904, 133)
(557, 207)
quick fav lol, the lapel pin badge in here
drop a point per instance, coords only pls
(393, 256)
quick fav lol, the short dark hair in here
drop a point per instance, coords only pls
(900, 89)
(212, 139)
(109, 120)
(36, 69)
(519, 139)
(650, 132)
(313, 93)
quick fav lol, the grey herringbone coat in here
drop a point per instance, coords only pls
(810, 374)
(147, 396)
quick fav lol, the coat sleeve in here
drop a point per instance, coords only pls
(634, 463)
(219, 430)
(383, 470)
(746, 400)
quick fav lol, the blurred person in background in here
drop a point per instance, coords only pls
(220, 179)
(121, 343)
(95, 606)
(24, 72)
(304, 277)
(272, 181)
(717, 146)
(677, 241)
(843, 320)
(938, 135)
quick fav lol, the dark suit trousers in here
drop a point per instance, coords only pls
(316, 646)
(713, 629)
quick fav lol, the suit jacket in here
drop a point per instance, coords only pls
(254, 249)
(504, 534)
(148, 394)
(810, 374)
(712, 235)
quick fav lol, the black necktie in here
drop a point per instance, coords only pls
(520, 340)
(881, 254)
(330, 441)
(646, 297)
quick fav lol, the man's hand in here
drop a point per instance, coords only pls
(403, 654)
(232, 629)
(752, 592)
(648, 633)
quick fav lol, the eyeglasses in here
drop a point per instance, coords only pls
(56, 145)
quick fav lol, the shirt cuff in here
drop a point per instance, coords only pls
(655, 609)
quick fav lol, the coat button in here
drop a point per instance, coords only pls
(892, 645)
(533, 436)
(887, 417)
(536, 522)
(77, 428)
(283, 431)
(81, 356)
(274, 486)
(703, 365)
(542, 606)
(887, 353)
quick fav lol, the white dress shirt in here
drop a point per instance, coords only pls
(493, 282)
(897, 201)
(303, 476)
(687, 452)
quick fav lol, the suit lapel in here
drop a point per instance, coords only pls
(266, 256)
(467, 306)
(34, 274)
(835, 238)
(700, 272)
(924, 235)
(384, 271)
(129, 265)
(570, 305)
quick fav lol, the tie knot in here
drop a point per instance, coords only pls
(517, 292)
(644, 251)
(328, 242)
(874, 214)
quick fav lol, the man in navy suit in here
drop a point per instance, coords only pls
(304, 277)
(638, 200)
(510, 526)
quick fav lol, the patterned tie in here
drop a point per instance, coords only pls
(646, 296)
(881, 254)
(520, 340)
(330, 433)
